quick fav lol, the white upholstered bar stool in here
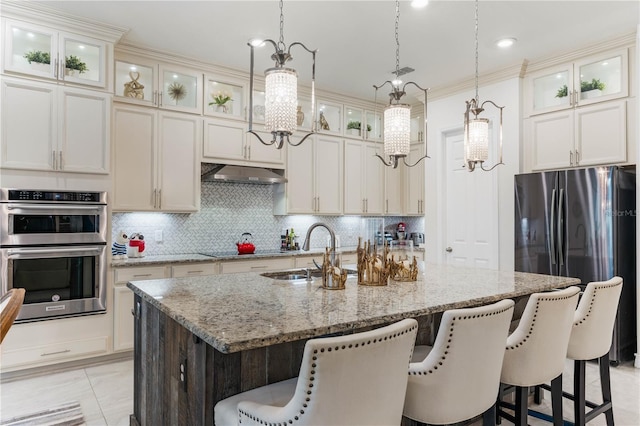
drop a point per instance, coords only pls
(459, 377)
(537, 348)
(591, 339)
(357, 379)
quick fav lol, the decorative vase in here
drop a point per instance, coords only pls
(594, 93)
(37, 66)
(69, 72)
(300, 115)
(221, 108)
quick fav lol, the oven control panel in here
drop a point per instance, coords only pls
(52, 196)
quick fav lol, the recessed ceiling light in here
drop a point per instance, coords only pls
(506, 42)
(419, 3)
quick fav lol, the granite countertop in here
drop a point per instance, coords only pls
(236, 312)
(226, 256)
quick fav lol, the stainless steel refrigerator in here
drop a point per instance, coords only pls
(582, 223)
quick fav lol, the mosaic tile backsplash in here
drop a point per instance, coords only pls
(229, 209)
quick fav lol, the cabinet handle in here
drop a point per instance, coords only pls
(387, 208)
(64, 351)
(159, 98)
(318, 209)
(259, 267)
(195, 272)
(155, 198)
(363, 208)
(577, 158)
(60, 166)
(249, 151)
(53, 160)
(155, 97)
(159, 198)
(571, 158)
(366, 210)
(141, 275)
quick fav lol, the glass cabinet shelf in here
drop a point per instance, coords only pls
(135, 81)
(353, 122)
(329, 117)
(224, 98)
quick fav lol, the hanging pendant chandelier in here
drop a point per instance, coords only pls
(281, 92)
(476, 129)
(397, 115)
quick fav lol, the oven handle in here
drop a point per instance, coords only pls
(17, 253)
(53, 207)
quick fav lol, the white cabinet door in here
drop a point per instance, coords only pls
(29, 125)
(300, 191)
(601, 133)
(54, 128)
(224, 140)
(373, 180)
(328, 175)
(260, 154)
(122, 318)
(552, 140)
(134, 159)
(179, 141)
(393, 187)
(414, 202)
(354, 174)
(85, 131)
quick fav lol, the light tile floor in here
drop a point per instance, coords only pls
(105, 393)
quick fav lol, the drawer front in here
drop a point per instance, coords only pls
(124, 275)
(307, 261)
(255, 265)
(55, 352)
(193, 270)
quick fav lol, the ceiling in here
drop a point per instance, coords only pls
(355, 39)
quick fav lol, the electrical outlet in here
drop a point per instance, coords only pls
(158, 236)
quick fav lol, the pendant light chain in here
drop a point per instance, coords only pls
(281, 42)
(477, 98)
(397, 39)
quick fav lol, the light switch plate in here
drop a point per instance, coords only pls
(158, 236)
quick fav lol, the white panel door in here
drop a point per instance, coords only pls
(85, 131)
(601, 133)
(552, 140)
(224, 139)
(373, 184)
(414, 200)
(328, 172)
(354, 198)
(122, 318)
(393, 190)
(134, 174)
(300, 176)
(29, 125)
(179, 162)
(471, 210)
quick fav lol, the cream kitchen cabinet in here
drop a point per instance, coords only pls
(414, 190)
(167, 86)
(363, 178)
(314, 173)
(227, 141)
(156, 160)
(256, 265)
(417, 128)
(44, 52)
(393, 188)
(350, 258)
(51, 127)
(587, 136)
(123, 308)
(594, 79)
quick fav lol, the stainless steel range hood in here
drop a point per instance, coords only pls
(243, 174)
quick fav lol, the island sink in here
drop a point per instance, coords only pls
(299, 274)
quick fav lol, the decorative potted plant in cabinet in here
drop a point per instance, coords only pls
(39, 60)
(72, 64)
(221, 101)
(353, 128)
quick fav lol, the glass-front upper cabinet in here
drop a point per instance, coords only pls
(329, 117)
(47, 53)
(417, 127)
(593, 79)
(373, 125)
(353, 121)
(145, 82)
(224, 97)
(304, 114)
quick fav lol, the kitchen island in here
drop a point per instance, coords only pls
(201, 339)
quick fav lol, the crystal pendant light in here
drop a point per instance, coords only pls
(397, 115)
(281, 93)
(476, 130)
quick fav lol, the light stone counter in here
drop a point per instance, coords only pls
(237, 312)
(155, 260)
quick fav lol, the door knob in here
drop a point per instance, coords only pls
(449, 249)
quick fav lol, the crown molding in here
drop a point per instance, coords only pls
(39, 15)
(623, 41)
(496, 76)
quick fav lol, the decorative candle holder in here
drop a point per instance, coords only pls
(402, 268)
(334, 276)
(373, 269)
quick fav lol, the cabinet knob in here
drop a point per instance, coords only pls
(449, 249)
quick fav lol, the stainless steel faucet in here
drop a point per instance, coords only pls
(307, 239)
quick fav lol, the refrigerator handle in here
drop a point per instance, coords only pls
(552, 230)
(561, 228)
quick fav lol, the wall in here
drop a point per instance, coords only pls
(446, 114)
(230, 209)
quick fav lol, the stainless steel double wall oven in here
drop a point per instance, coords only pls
(53, 244)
